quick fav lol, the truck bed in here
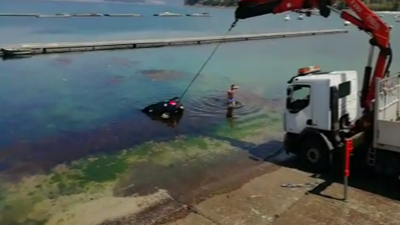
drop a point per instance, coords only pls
(387, 119)
(388, 135)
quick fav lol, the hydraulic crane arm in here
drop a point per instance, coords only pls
(367, 21)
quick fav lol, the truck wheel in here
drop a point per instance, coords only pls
(315, 156)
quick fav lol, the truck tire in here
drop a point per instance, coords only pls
(315, 155)
(324, 11)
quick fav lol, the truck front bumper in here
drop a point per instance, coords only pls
(291, 143)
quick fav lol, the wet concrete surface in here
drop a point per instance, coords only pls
(187, 185)
(193, 218)
(259, 201)
(361, 208)
(263, 201)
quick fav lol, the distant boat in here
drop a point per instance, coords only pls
(205, 14)
(59, 15)
(87, 14)
(10, 52)
(124, 15)
(18, 14)
(13, 57)
(168, 14)
(390, 26)
(301, 17)
(287, 18)
(346, 23)
(63, 14)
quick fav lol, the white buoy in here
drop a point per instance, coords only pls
(301, 17)
(287, 18)
(346, 23)
(390, 26)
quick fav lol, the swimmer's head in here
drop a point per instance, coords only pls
(234, 86)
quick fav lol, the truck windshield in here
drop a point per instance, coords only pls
(299, 98)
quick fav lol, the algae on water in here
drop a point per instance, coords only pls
(36, 199)
(54, 197)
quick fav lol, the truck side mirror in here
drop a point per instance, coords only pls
(288, 101)
(289, 91)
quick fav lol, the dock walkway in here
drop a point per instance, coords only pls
(63, 47)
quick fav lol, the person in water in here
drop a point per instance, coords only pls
(231, 95)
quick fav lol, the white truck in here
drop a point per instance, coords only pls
(322, 110)
(321, 114)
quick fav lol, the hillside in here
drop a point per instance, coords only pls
(211, 2)
(373, 4)
(174, 2)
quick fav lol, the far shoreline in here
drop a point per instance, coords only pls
(209, 6)
(230, 7)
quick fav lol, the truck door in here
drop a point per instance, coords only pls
(298, 108)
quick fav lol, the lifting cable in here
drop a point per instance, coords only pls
(207, 60)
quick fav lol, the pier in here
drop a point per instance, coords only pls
(64, 47)
(19, 14)
(93, 15)
(69, 15)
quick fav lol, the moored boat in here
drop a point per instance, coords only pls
(15, 51)
(168, 14)
(205, 14)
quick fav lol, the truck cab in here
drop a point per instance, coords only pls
(318, 105)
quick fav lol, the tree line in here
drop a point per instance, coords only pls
(377, 5)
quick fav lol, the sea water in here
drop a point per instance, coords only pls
(60, 108)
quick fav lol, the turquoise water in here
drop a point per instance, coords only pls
(74, 97)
